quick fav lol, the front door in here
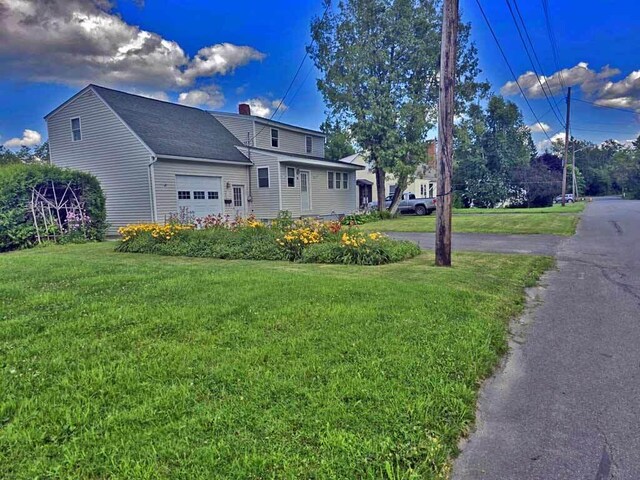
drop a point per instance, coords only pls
(305, 196)
(365, 195)
(238, 200)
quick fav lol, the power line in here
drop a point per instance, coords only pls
(306, 54)
(607, 106)
(506, 60)
(553, 41)
(533, 50)
(295, 94)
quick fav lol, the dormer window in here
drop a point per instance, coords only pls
(309, 143)
(275, 140)
(76, 131)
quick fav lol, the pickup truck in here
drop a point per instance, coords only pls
(411, 204)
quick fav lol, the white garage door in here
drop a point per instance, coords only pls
(201, 195)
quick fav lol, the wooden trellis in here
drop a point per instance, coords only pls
(50, 210)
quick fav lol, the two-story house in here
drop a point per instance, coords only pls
(156, 158)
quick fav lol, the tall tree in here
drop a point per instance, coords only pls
(491, 144)
(379, 61)
(338, 143)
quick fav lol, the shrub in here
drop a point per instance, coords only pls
(360, 249)
(17, 182)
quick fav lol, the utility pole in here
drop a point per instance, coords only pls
(566, 148)
(445, 132)
(574, 182)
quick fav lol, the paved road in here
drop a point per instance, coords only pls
(566, 404)
(480, 242)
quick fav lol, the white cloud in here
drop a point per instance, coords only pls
(29, 138)
(158, 95)
(546, 144)
(624, 93)
(80, 41)
(263, 107)
(210, 97)
(540, 127)
(581, 75)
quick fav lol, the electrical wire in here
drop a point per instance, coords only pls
(557, 114)
(506, 60)
(306, 54)
(607, 106)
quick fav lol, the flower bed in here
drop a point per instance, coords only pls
(307, 240)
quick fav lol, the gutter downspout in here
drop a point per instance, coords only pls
(152, 188)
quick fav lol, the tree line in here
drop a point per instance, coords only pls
(379, 63)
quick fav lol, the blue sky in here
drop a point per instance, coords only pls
(264, 43)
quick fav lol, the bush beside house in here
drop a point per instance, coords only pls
(68, 206)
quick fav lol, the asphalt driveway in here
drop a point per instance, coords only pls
(566, 403)
(480, 242)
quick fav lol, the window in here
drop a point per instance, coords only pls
(198, 195)
(237, 196)
(423, 190)
(291, 177)
(431, 189)
(392, 190)
(330, 180)
(184, 195)
(76, 131)
(213, 195)
(275, 134)
(338, 180)
(345, 181)
(309, 143)
(263, 177)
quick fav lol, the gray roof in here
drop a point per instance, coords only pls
(172, 129)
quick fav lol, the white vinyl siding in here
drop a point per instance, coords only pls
(323, 200)
(109, 151)
(289, 141)
(265, 201)
(240, 126)
(167, 171)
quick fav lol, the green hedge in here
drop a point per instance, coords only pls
(16, 183)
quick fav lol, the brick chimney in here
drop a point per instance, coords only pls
(244, 109)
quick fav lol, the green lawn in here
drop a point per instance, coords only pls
(551, 220)
(569, 208)
(127, 366)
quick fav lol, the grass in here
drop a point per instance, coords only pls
(551, 220)
(569, 208)
(139, 366)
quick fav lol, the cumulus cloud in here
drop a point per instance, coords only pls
(263, 107)
(207, 97)
(622, 94)
(597, 85)
(581, 74)
(546, 144)
(540, 127)
(29, 138)
(80, 41)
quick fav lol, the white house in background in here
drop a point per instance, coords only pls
(153, 158)
(424, 184)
